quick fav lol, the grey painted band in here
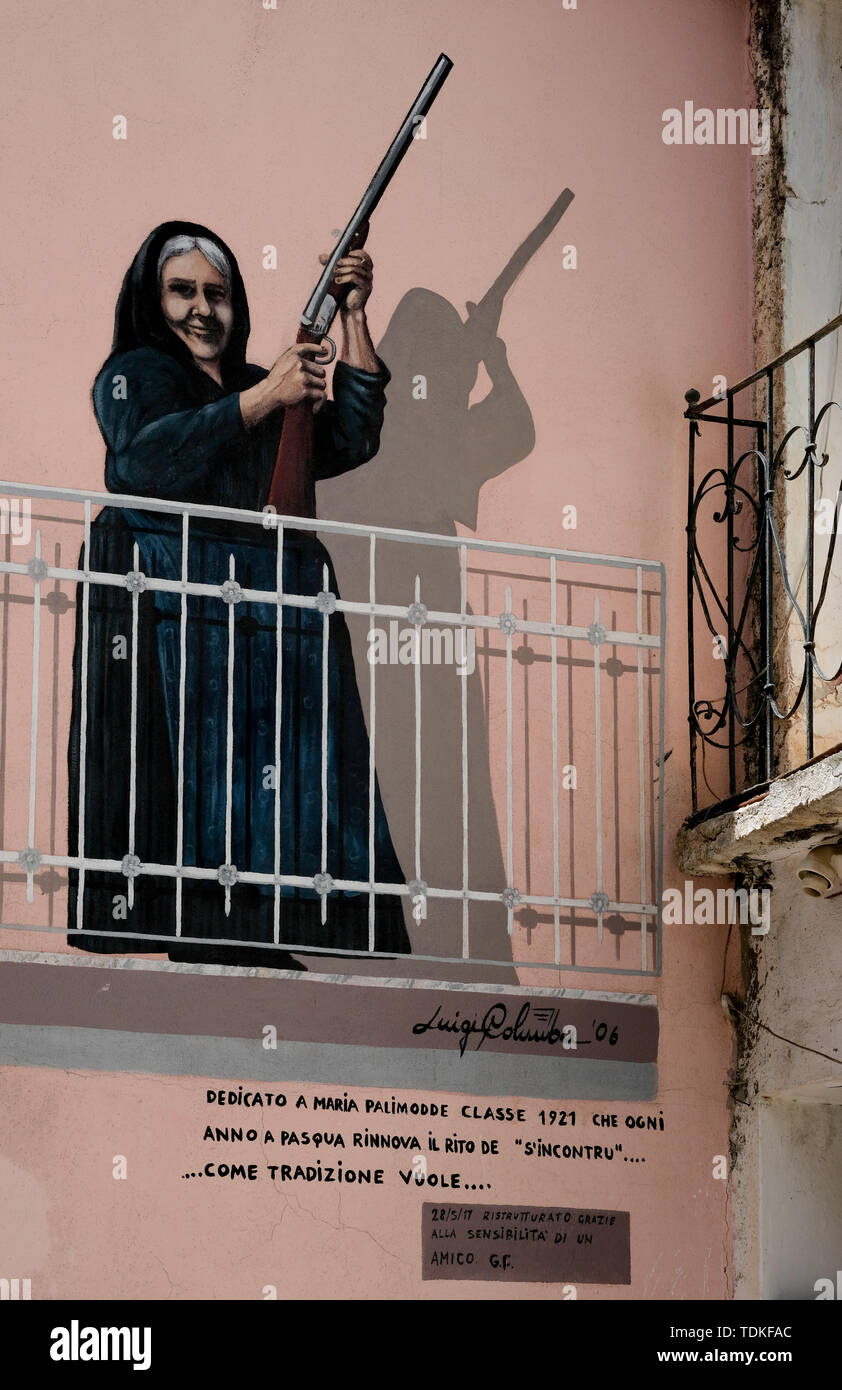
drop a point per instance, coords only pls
(497, 1074)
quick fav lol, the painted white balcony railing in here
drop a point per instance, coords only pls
(525, 794)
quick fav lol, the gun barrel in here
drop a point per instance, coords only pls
(523, 255)
(395, 153)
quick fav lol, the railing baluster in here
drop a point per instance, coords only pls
(279, 705)
(510, 917)
(554, 717)
(325, 652)
(641, 772)
(810, 671)
(33, 727)
(731, 653)
(417, 653)
(597, 726)
(133, 725)
(372, 720)
(83, 720)
(58, 672)
(691, 607)
(182, 716)
(659, 847)
(463, 710)
(229, 737)
(767, 616)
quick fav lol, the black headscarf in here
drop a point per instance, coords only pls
(139, 319)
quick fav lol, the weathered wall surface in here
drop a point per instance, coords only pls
(787, 1112)
(787, 1117)
(798, 290)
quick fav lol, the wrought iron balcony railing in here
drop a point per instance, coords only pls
(763, 591)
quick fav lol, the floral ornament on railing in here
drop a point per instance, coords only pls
(231, 592)
(37, 568)
(326, 601)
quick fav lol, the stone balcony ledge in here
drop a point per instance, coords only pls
(794, 812)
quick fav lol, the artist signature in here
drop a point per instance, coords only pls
(494, 1024)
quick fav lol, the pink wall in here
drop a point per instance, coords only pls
(227, 125)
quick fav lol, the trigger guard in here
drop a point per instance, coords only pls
(325, 361)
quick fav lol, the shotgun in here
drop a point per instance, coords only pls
(292, 489)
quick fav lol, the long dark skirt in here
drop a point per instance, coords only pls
(212, 835)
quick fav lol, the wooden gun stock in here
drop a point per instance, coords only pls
(292, 491)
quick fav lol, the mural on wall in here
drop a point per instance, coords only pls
(331, 853)
(219, 759)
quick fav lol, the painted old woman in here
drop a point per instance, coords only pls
(186, 418)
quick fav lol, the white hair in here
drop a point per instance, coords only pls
(182, 245)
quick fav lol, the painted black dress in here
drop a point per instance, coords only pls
(171, 432)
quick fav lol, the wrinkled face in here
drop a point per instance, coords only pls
(196, 303)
